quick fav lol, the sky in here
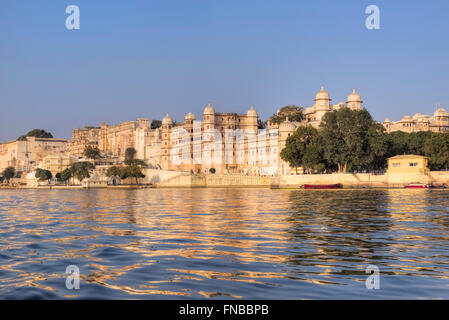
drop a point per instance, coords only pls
(141, 59)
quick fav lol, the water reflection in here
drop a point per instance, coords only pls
(224, 243)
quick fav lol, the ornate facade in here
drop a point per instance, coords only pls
(439, 122)
(111, 140)
(231, 141)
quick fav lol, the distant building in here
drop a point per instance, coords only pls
(56, 163)
(113, 140)
(439, 122)
(24, 155)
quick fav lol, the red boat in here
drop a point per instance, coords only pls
(322, 186)
(425, 186)
(417, 186)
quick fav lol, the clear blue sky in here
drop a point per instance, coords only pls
(139, 58)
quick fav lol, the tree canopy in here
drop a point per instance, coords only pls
(352, 139)
(81, 170)
(38, 133)
(8, 173)
(43, 174)
(304, 149)
(156, 124)
(294, 113)
(346, 140)
(92, 152)
(65, 175)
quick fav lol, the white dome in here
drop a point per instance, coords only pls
(252, 112)
(441, 113)
(406, 118)
(322, 95)
(209, 110)
(190, 116)
(167, 119)
(387, 120)
(354, 97)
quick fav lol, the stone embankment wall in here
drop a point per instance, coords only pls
(351, 180)
(212, 180)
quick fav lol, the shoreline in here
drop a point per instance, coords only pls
(210, 187)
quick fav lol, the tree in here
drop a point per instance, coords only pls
(133, 171)
(65, 175)
(38, 133)
(212, 170)
(91, 152)
(437, 150)
(130, 154)
(303, 149)
(8, 174)
(43, 175)
(156, 124)
(294, 113)
(261, 124)
(114, 171)
(81, 170)
(352, 139)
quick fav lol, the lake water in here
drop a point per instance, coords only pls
(224, 243)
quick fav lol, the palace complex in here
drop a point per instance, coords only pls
(439, 122)
(227, 142)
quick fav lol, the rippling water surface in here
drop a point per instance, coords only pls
(224, 243)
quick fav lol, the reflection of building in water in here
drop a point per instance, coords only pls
(229, 225)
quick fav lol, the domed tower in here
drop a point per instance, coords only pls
(209, 117)
(252, 118)
(188, 123)
(441, 115)
(167, 123)
(354, 101)
(189, 118)
(322, 100)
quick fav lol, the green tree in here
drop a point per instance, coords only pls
(114, 171)
(133, 171)
(303, 149)
(130, 154)
(43, 175)
(81, 170)
(38, 133)
(65, 175)
(212, 170)
(156, 124)
(437, 150)
(261, 124)
(91, 152)
(352, 139)
(294, 113)
(8, 174)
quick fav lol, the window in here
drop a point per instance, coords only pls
(413, 164)
(396, 165)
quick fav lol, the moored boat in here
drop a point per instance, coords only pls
(417, 186)
(322, 186)
(425, 186)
